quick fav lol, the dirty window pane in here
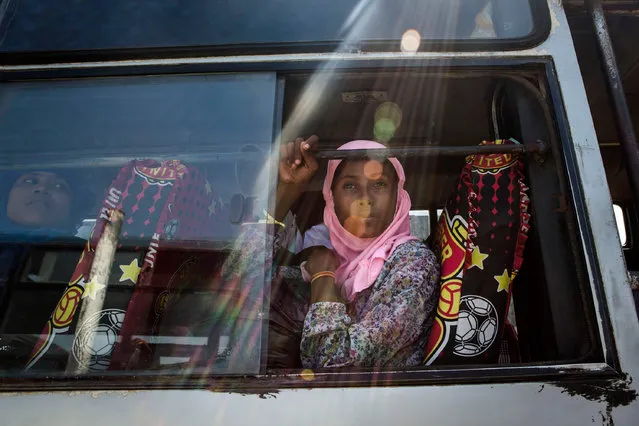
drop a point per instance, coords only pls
(174, 155)
(57, 25)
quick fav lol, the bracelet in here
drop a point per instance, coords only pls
(272, 221)
(323, 274)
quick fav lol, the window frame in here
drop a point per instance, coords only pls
(540, 13)
(609, 368)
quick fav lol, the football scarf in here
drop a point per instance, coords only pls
(163, 203)
(479, 241)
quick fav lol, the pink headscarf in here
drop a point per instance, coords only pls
(362, 259)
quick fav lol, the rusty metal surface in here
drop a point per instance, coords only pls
(526, 404)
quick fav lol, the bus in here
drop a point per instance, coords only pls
(140, 140)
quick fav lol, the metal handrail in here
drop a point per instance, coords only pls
(538, 147)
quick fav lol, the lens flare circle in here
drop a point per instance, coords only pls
(411, 39)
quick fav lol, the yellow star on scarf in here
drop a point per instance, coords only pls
(503, 280)
(92, 288)
(478, 258)
(208, 188)
(130, 271)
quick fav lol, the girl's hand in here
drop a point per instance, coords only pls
(323, 289)
(297, 162)
(297, 165)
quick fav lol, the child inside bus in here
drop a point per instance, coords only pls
(35, 200)
(37, 206)
(373, 293)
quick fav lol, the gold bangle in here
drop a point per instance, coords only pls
(272, 221)
(323, 274)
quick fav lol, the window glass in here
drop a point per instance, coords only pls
(135, 233)
(521, 247)
(420, 223)
(176, 156)
(57, 25)
(621, 224)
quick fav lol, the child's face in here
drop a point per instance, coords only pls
(365, 196)
(39, 199)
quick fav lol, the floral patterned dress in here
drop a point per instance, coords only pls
(386, 325)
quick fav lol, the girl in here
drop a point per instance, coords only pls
(374, 290)
(41, 204)
(37, 206)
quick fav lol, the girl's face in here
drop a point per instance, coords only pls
(39, 199)
(365, 196)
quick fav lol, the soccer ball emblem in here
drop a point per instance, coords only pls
(476, 326)
(487, 331)
(97, 336)
(448, 306)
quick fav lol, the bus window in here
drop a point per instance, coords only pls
(57, 26)
(185, 159)
(420, 223)
(351, 107)
(137, 175)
